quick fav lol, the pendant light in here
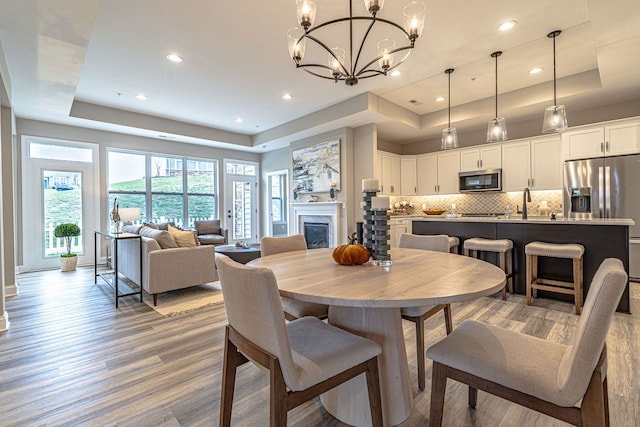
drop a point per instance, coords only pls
(497, 127)
(449, 135)
(555, 116)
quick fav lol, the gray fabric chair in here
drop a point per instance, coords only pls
(541, 375)
(418, 315)
(210, 232)
(292, 309)
(305, 357)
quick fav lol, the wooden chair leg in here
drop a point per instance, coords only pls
(473, 397)
(373, 389)
(438, 390)
(155, 299)
(420, 352)
(594, 410)
(577, 283)
(448, 318)
(278, 396)
(502, 261)
(510, 269)
(534, 272)
(230, 365)
(529, 277)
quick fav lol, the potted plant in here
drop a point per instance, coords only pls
(68, 260)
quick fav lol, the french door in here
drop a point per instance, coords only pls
(60, 185)
(241, 201)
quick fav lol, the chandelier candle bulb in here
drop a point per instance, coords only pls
(369, 184)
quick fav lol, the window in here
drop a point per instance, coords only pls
(166, 192)
(277, 199)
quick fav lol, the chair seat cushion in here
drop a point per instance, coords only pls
(478, 244)
(453, 241)
(506, 357)
(554, 250)
(321, 351)
(300, 309)
(211, 239)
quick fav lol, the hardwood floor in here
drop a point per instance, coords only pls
(70, 358)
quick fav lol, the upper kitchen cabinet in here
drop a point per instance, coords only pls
(487, 157)
(438, 173)
(611, 140)
(536, 164)
(389, 173)
(408, 176)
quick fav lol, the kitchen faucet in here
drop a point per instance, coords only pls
(526, 197)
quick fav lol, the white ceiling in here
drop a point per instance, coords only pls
(81, 62)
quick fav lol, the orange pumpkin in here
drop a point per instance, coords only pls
(353, 253)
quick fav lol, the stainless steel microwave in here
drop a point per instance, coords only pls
(482, 180)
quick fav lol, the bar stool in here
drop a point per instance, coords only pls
(454, 242)
(572, 251)
(503, 247)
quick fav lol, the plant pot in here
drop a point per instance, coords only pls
(68, 263)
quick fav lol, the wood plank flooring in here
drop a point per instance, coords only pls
(71, 359)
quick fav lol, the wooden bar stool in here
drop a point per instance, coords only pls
(454, 242)
(503, 247)
(572, 251)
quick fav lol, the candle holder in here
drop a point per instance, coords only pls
(380, 242)
(367, 218)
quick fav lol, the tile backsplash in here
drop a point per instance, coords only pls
(484, 202)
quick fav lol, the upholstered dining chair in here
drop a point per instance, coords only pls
(541, 375)
(292, 309)
(418, 315)
(305, 357)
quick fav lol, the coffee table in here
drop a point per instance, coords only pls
(241, 255)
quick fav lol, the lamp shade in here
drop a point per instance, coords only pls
(449, 139)
(555, 119)
(129, 214)
(497, 130)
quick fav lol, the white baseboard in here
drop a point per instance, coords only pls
(4, 322)
(11, 290)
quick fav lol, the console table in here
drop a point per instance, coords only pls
(111, 276)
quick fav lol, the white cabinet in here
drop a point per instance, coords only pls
(487, 157)
(408, 178)
(536, 164)
(612, 140)
(398, 226)
(438, 173)
(389, 174)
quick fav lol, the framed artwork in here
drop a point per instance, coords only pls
(316, 168)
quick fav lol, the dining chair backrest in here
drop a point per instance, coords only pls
(276, 245)
(581, 357)
(439, 242)
(254, 310)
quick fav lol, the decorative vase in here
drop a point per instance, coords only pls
(68, 263)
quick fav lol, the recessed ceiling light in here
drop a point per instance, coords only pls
(174, 57)
(395, 73)
(440, 99)
(287, 96)
(535, 70)
(142, 97)
(238, 120)
(507, 25)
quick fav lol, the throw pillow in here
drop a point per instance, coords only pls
(164, 238)
(184, 239)
(150, 225)
(133, 229)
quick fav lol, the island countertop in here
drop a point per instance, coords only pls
(531, 220)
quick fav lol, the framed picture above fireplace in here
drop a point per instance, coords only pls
(317, 168)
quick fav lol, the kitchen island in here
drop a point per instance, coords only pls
(601, 238)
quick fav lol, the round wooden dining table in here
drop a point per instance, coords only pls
(366, 300)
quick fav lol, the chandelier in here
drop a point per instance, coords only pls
(337, 66)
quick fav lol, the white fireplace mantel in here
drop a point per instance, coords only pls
(333, 210)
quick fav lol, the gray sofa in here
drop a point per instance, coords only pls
(166, 269)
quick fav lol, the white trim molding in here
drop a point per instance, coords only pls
(4, 322)
(333, 210)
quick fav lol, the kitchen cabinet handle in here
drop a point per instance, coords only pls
(480, 162)
(533, 182)
(602, 147)
(606, 145)
(392, 189)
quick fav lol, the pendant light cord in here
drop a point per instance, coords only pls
(449, 98)
(496, 86)
(554, 70)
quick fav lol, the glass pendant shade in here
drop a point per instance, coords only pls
(414, 19)
(386, 59)
(336, 62)
(296, 44)
(373, 6)
(306, 12)
(449, 139)
(497, 127)
(555, 116)
(555, 119)
(449, 135)
(497, 130)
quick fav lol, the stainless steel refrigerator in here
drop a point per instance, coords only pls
(607, 187)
